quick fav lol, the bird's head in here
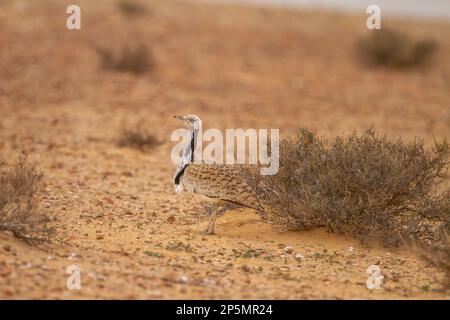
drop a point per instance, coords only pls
(191, 121)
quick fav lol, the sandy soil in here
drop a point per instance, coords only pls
(117, 216)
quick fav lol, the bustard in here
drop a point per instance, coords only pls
(219, 181)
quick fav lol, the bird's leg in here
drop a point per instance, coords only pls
(212, 223)
(214, 210)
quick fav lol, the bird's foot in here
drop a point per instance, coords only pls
(208, 231)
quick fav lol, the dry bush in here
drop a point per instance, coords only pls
(361, 185)
(438, 255)
(131, 8)
(18, 186)
(136, 60)
(389, 48)
(137, 137)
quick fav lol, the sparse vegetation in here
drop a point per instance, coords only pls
(438, 255)
(362, 185)
(179, 246)
(249, 252)
(389, 48)
(153, 254)
(137, 137)
(18, 186)
(137, 60)
(131, 8)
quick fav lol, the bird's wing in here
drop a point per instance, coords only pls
(220, 181)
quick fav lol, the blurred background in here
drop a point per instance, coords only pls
(435, 9)
(250, 63)
(93, 108)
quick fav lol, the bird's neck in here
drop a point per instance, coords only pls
(188, 154)
(189, 148)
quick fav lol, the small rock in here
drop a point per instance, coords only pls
(289, 249)
(72, 256)
(299, 257)
(154, 293)
(25, 266)
(246, 268)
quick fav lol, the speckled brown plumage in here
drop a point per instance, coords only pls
(224, 182)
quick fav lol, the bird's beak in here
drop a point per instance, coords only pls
(179, 117)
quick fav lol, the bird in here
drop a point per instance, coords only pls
(223, 182)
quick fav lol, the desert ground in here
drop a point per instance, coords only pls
(114, 209)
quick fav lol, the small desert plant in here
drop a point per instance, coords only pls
(136, 60)
(362, 185)
(393, 49)
(18, 186)
(137, 137)
(179, 246)
(131, 8)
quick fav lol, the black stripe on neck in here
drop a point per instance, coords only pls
(192, 147)
(180, 173)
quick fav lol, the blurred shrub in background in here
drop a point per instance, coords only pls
(389, 48)
(136, 60)
(131, 8)
(138, 137)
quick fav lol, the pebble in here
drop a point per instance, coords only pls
(246, 268)
(289, 249)
(154, 293)
(25, 266)
(72, 256)
(299, 257)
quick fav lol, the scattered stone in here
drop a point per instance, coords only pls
(246, 268)
(72, 256)
(25, 266)
(289, 250)
(299, 257)
(154, 293)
